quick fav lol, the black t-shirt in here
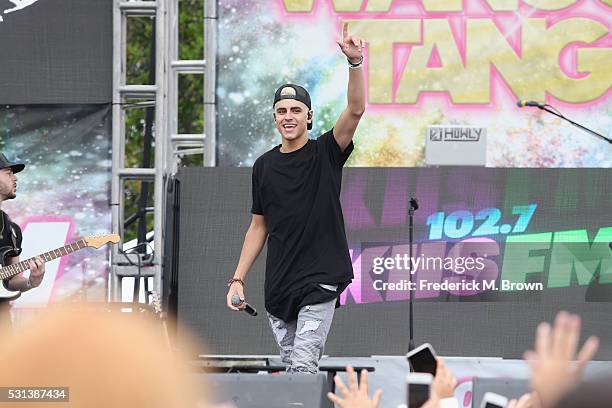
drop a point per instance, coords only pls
(298, 193)
(10, 237)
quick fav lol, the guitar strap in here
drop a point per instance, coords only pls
(14, 238)
(6, 222)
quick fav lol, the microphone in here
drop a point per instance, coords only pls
(521, 104)
(414, 204)
(247, 308)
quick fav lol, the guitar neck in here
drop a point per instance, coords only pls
(11, 270)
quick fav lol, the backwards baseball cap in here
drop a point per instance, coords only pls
(290, 91)
(4, 163)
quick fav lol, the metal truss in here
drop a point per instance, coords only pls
(169, 144)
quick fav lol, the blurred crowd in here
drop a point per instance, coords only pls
(556, 365)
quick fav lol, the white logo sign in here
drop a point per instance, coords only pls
(17, 5)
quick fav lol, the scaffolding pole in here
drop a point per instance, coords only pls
(169, 144)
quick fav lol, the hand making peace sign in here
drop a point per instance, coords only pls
(352, 47)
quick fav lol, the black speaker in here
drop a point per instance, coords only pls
(170, 275)
(268, 391)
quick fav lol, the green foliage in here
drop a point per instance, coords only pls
(140, 33)
(191, 87)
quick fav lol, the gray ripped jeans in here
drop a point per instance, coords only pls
(301, 341)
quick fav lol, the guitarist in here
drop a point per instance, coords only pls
(10, 242)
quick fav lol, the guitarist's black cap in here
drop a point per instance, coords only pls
(4, 163)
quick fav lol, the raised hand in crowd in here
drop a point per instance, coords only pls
(554, 372)
(526, 401)
(355, 395)
(443, 385)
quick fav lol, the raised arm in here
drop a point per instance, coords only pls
(347, 123)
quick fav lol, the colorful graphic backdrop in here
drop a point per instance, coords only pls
(429, 62)
(63, 194)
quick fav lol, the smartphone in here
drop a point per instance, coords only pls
(423, 359)
(492, 400)
(418, 386)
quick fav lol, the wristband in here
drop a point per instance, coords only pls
(229, 282)
(356, 65)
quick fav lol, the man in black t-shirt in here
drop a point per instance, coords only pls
(296, 208)
(10, 243)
